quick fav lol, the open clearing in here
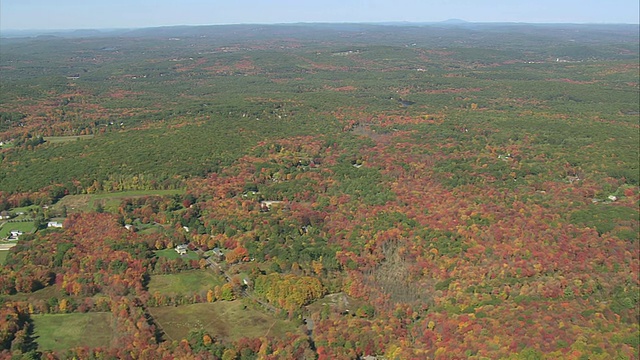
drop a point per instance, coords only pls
(109, 201)
(3, 256)
(45, 293)
(338, 301)
(185, 283)
(62, 139)
(25, 209)
(59, 332)
(48, 293)
(172, 254)
(227, 320)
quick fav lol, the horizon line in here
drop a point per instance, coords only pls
(451, 22)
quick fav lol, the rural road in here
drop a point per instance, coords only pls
(7, 246)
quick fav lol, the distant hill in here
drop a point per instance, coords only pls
(616, 32)
(455, 22)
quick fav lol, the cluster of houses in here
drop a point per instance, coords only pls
(216, 253)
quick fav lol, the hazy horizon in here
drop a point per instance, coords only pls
(30, 15)
(462, 21)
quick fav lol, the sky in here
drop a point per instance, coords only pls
(107, 14)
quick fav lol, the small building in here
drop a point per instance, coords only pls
(4, 215)
(54, 224)
(267, 204)
(181, 249)
(129, 227)
(14, 234)
(217, 252)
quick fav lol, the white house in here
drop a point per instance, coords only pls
(13, 235)
(54, 224)
(181, 249)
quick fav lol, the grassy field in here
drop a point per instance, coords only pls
(172, 254)
(150, 229)
(42, 294)
(59, 332)
(25, 209)
(227, 320)
(25, 227)
(187, 282)
(48, 293)
(109, 201)
(3, 256)
(63, 139)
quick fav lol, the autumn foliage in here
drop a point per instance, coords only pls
(459, 201)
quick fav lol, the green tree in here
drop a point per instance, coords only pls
(39, 223)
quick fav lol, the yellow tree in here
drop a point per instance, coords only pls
(230, 354)
(206, 340)
(62, 306)
(317, 266)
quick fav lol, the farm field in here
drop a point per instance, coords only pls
(228, 320)
(60, 332)
(185, 283)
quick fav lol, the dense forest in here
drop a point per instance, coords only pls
(320, 191)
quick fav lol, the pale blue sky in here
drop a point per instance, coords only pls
(82, 14)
